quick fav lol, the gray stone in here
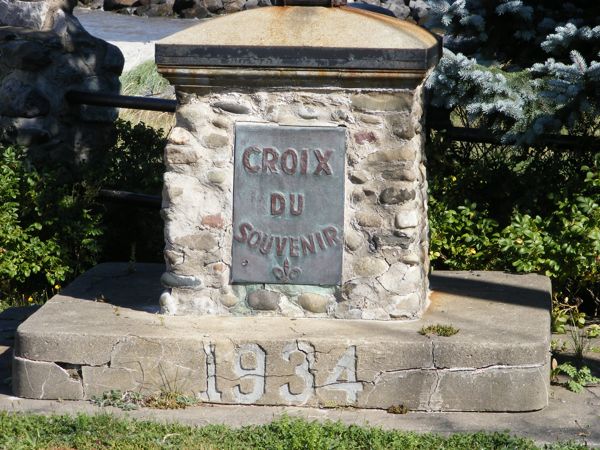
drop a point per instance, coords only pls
(360, 177)
(202, 241)
(232, 6)
(411, 257)
(308, 113)
(420, 9)
(264, 300)
(97, 114)
(403, 306)
(215, 140)
(400, 11)
(46, 52)
(393, 279)
(398, 174)
(180, 136)
(406, 219)
(354, 240)
(217, 176)
(29, 136)
(405, 152)
(369, 267)
(394, 195)
(27, 14)
(293, 290)
(213, 5)
(113, 59)
(180, 154)
(229, 300)
(18, 99)
(368, 219)
(195, 12)
(155, 10)
(27, 55)
(39, 379)
(232, 107)
(289, 309)
(402, 240)
(313, 302)
(382, 102)
(369, 119)
(169, 279)
(401, 125)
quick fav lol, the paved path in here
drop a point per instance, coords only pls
(134, 35)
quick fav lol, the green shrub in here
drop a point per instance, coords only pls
(52, 228)
(565, 245)
(47, 232)
(558, 236)
(461, 238)
(135, 165)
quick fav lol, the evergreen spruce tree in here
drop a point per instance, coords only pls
(520, 67)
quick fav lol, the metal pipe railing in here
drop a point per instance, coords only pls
(436, 121)
(130, 198)
(121, 101)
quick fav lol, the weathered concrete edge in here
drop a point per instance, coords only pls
(492, 389)
(375, 365)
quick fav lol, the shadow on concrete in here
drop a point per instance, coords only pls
(495, 286)
(135, 286)
(10, 319)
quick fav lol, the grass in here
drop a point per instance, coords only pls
(144, 80)
(439, 330)
(20, 431)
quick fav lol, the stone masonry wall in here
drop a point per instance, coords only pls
(385, 261)
(44, 52)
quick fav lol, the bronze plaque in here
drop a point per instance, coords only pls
(288, 204)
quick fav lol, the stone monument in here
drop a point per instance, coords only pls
(295, 180)
(295, 214)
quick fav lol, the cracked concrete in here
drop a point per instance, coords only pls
(495, 362)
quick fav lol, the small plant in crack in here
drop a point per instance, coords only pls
(129, 400)
(439, 330)
(577, 378)
(126, 401)
(397, 409)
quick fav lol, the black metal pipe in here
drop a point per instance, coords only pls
(121, 101)
(484, 136)
(131, 198)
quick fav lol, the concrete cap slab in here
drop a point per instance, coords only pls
(304, 39)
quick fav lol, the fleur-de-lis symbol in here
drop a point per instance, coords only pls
(285, 274)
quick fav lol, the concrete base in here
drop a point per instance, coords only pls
(102, 333)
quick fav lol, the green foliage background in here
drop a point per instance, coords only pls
(519, 69)
(52, 227)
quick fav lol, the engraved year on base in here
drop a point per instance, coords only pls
(288, 209)
(244, 377)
